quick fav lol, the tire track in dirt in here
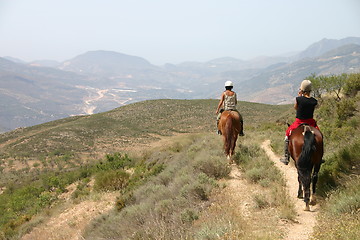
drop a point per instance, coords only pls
(305, 221)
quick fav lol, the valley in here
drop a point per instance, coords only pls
(98, 81)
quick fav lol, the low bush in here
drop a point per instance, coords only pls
(337, 165)
(82, 189)
(112, 180)
(340, 216)
(212, 166)
(165, 202)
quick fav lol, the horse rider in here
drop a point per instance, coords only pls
(305, 106)
(228, 101)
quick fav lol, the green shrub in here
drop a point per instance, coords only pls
(246, 153)
(82, 189)
(115, 161)
(345, 200)
(340, 216)
(196, 191)
(189, 215)
(124, 200)
(352, 85)
(111, 180)
(256, 174)
(46, 198)
(336, 166)
(345, 109)
(261, 201)
(212, 166)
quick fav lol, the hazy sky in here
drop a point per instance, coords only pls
(171, 31)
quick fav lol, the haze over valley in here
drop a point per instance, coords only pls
(97, 81)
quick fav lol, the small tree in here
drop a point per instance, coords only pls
(315, 85)
(335, 83)
(352, 85)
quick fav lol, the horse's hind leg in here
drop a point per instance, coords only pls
(314, 181)
(307, 197)
(305, 181)
(300, 190)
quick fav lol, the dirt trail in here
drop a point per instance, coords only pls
(70, 223)
(305, 221)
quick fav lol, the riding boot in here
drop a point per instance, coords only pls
(242, 128)
(286, 158)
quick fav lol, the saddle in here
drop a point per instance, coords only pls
(306, 128)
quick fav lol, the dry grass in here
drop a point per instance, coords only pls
(181, 197)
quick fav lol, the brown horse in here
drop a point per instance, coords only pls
(306, 147)
(230, 127)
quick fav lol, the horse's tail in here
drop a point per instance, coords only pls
(229, 137)
(304, 162)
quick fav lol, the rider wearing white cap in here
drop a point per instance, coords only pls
(228, 101)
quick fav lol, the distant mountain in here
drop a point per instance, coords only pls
(32, 95)
(325, 45)
(45, 63)
(15, 60)
(279, 83)
(349, 49)
(106, 63)
(99, 81)
(225, 64)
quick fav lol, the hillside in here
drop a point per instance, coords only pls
(86, 138)
(162, 164)
(72, 148)
(34, 95)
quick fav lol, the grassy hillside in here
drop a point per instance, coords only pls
(39, 163)
(70, 142)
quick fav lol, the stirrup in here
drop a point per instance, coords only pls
(241, 134)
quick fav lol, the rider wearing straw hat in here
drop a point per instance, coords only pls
(228, 101)
(305, 106)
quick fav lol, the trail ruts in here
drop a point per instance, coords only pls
(305, 221)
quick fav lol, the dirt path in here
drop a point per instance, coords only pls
(69, 224)
(305, 221)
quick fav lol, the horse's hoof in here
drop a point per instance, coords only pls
(313, 201)
(307, 208)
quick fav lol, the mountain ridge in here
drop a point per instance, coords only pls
(98, 81)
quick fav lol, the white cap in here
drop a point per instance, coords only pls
(229, 84)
